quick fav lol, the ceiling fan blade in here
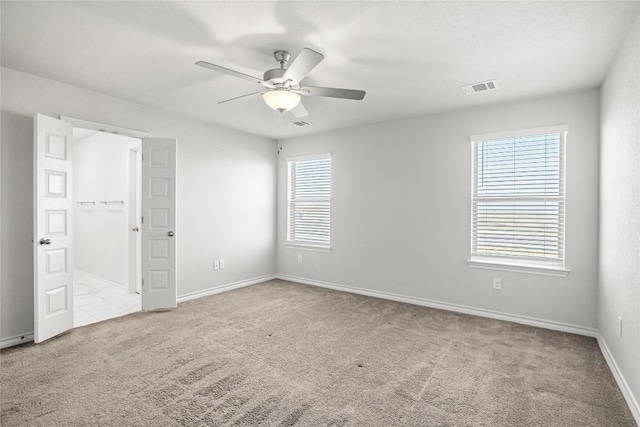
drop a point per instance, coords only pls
(302, 65)
(238, 97)
(331, 92)
(224, 70)
(299, 111)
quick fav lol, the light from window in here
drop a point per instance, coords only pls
(309, 200)
(518, 198)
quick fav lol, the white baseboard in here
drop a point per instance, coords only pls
(531, 321)
(224, 288)
(631, 400)
(622, 383)
(19, 339)
(580, 330)
(101, 279)
(15, 340)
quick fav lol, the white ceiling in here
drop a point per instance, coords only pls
(410, 57)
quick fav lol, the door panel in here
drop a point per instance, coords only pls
(53, 230)
(159, 288)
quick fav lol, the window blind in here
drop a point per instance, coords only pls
(309, 204)
(518, 198)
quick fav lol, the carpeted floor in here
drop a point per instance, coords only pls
(281, 354)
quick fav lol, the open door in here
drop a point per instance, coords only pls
(53, 229)
(158, 223)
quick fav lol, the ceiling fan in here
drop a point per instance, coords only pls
(283, 88)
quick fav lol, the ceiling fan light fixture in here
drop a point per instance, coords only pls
(281, 100)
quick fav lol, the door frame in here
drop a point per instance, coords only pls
(135, 213)
(102, 127)
(135, 257)
(135, 251)
(157, 155)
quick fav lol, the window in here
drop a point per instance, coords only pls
(518, 199)
(309, 201)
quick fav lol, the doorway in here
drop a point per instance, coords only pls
(54, 211)
(107, 263)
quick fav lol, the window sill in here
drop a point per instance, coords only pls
(545, 270)
(300, 246)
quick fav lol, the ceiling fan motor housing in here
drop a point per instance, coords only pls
(274, 76)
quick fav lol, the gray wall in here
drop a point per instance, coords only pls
(619, 281)
(401, 210)
(225, 190)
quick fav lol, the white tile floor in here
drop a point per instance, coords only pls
(95, 300)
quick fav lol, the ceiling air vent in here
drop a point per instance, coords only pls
(300, 123)
(480, 87)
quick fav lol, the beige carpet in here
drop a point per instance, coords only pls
(281, 354)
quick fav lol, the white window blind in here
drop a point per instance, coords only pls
(309, 201)
(518, 198)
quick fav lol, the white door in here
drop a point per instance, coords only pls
(53, 227)
(158, 223)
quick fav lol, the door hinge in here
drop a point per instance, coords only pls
(142, 220)
(143, 281)
(142, 157)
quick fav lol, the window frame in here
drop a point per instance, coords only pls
(514, 264)
(300, 244)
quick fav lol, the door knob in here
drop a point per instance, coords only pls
(44, 241)
(135, 229)
(170, 234)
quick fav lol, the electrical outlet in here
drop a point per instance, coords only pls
(620, 326)
(216, 265)
(222, 264)
(497, 283)
(299, 258)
